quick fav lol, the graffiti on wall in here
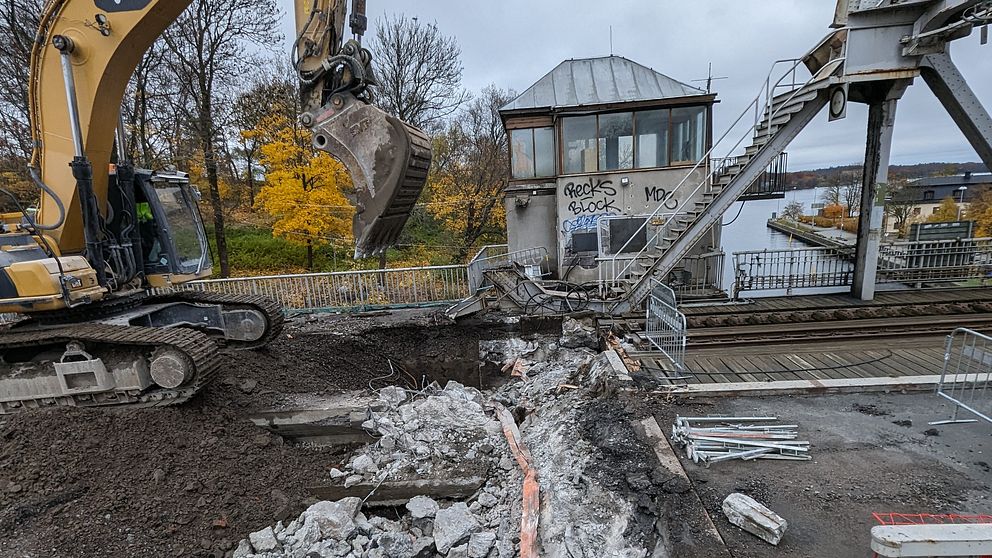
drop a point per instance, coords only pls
(654, 194)
(582, 222)
(594, 195)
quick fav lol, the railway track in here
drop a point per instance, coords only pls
(880, 328)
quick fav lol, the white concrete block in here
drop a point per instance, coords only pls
(746, 513)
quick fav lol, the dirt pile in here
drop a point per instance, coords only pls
(193, 480)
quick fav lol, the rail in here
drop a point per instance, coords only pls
(965, 377)
(412, 286)
(665, 327)
(762, 105)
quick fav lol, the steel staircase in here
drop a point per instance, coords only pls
(787, 110)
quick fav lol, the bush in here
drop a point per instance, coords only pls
(834, 211)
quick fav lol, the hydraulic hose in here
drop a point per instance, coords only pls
(58, 203)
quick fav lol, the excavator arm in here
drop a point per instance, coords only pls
(388, 159)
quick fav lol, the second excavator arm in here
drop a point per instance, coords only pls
(388, 159)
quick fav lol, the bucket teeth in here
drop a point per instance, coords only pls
(388, 161)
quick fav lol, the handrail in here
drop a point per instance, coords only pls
(681, 202)
(485, 250)
(327, 274)
(709, 153)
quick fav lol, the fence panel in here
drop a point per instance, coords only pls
(935, 261)
(416, 286)
(492, 257)
(698, 275)
(665, 326)
(798, 268)
(967, 372)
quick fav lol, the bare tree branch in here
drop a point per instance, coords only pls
(419, 71)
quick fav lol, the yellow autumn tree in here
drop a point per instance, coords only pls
(304, 188)
(465, 189)
(980, 211)
(947, 212)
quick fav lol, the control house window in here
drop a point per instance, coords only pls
(532, 153)
(633, 140)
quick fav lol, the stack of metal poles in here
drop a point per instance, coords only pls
(709, 440)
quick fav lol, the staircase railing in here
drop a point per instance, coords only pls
(762, 107)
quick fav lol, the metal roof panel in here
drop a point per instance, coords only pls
(599, 81)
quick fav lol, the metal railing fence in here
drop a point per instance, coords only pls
(698, 275)
(965, 378)
(936, 261)
(413, 286)
(913, 263)
(791, 269)
(665, 327)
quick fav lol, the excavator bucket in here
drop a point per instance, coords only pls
(388, 161)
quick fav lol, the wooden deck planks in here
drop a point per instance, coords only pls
(779, 363)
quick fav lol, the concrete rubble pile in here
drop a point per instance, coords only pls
(441, 433)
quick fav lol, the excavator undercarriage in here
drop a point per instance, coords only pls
(137, 351)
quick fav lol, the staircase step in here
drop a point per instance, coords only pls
(802, 96)
(779, 120)
(791, 107)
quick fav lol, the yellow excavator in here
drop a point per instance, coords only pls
(91, 270)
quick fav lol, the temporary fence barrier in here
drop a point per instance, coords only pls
(965, 378)
(665, 326)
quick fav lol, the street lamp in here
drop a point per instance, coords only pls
(962, 190)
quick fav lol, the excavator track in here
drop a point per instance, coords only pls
(273, 312)
(200, 353)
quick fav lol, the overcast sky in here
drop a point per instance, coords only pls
(513, 43)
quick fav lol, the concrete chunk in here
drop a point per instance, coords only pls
(746, 513)
(393, 395)
(421, 507)
(479, 544)
(264, 540)
(335, 519)
(932, 540)
(453, 526)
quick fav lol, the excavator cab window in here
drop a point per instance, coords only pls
(172, 235)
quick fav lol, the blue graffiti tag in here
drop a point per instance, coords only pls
(582, 222)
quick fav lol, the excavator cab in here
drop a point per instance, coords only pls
(172, 238)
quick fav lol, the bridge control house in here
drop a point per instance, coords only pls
(600, 149)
